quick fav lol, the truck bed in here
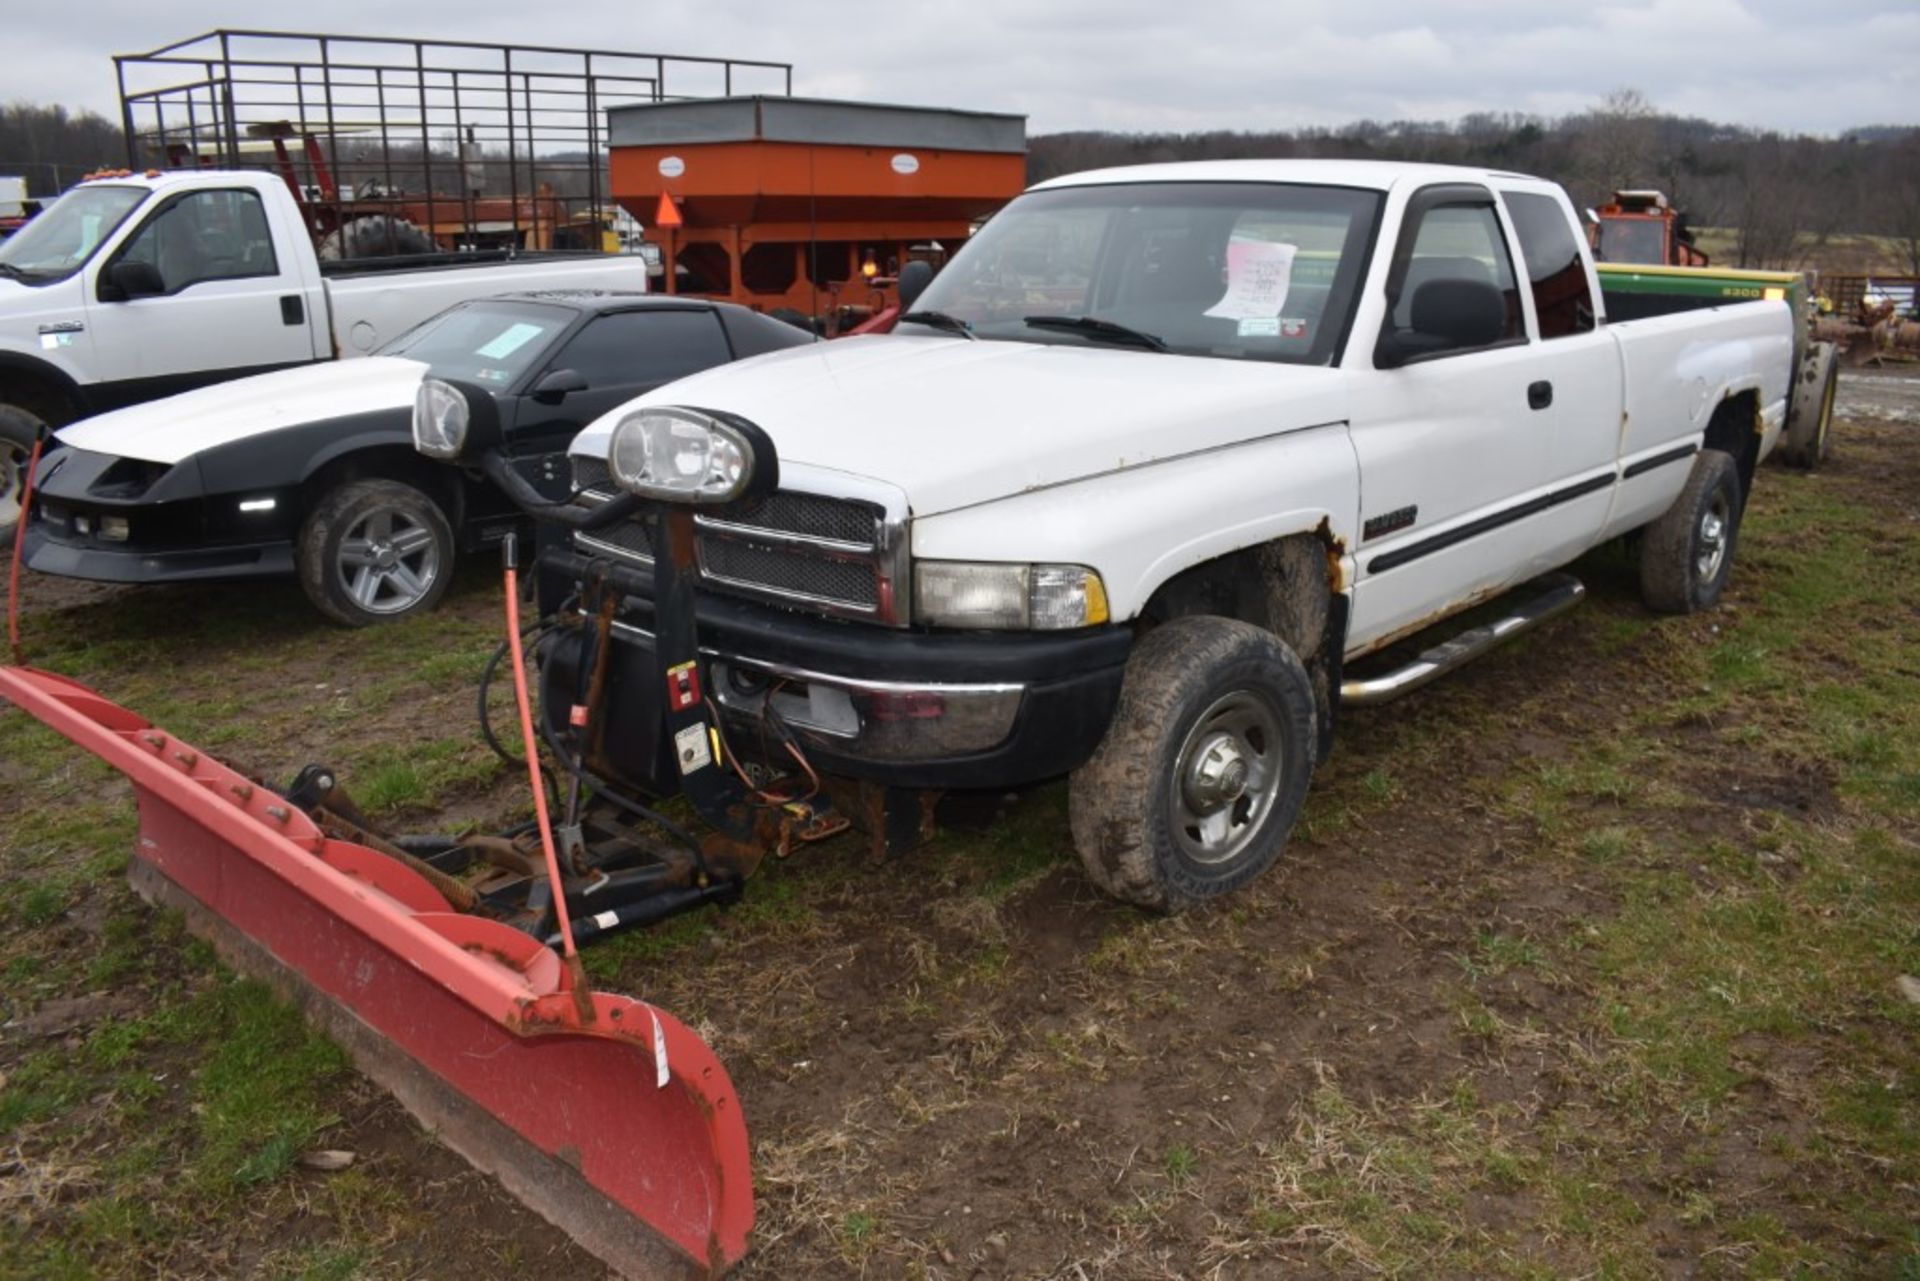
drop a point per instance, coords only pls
(348, 268)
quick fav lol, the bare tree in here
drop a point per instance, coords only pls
(1620, 141)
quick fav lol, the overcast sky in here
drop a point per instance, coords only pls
(1817, 66)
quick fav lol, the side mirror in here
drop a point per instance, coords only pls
(556, 383)
(133, 280)
(914, 279)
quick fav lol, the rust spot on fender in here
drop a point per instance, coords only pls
(1336, 573)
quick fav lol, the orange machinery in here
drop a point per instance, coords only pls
(1643, 227)
(808, 205)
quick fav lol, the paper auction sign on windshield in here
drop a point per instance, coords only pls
(1258, 272)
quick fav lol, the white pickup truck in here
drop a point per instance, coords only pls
(132, 287)
(1162, 453)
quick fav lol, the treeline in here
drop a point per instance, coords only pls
(1784, 198)
(52, 147)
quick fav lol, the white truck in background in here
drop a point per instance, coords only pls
(136, 286)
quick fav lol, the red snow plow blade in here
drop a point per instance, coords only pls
(609, 1118)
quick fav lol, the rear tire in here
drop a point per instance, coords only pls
(1196, 786)
(19, 428)
(374, 236)
(1687, 554)
(374, 551)
(1809, 436)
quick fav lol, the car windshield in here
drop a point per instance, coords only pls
(491, 342)
(1247, 271)
(59, 241)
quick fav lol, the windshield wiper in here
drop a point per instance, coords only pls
(17, 273)
(1099, 330)
(942, 321)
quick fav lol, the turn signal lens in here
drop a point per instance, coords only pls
(1039, 597)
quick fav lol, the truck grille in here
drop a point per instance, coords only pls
(786, 572)
(830, 555)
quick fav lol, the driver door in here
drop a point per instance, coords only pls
(1451, 455)
(230, 305)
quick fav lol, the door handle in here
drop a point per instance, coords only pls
(293, 310)
(1540, 394)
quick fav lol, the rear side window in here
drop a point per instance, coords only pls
(645, 348)
(1562, 298)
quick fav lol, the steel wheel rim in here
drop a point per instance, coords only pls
(388, 561)
(13, 470)
(1226, 776)
(1710, 541)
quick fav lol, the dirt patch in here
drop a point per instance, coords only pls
(1890, 393)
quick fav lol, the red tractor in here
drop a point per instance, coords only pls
(1642, 227)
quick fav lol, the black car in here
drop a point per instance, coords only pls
(311, 471)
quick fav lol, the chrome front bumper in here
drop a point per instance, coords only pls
(854, 717)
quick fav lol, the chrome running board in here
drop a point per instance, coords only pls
(1562, 592)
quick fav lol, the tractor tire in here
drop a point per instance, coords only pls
(1809, 434)
(19, 428)
(1686, 555)
(374, 236)
(1203, 771)
(375, 551)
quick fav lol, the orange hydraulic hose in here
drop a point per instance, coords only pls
(20, 537)
(581, 993)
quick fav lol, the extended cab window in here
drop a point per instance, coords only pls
(1458, 292)
(1241, 270)
(1562, 298)
(209, 235)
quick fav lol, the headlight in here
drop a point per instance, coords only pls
(440, 416)
(1039, 597)
(681, 455)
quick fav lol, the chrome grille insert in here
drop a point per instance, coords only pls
(839, 556)
(791, 573)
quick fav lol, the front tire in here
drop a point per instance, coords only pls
(18, 430)
(1204, 769)
(374, 551)
(1687, 554)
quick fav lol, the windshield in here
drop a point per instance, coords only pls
(1249, 271)
(491, 342)
(1633, 240)
(58, 242)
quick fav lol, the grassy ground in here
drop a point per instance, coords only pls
(1585, 962)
